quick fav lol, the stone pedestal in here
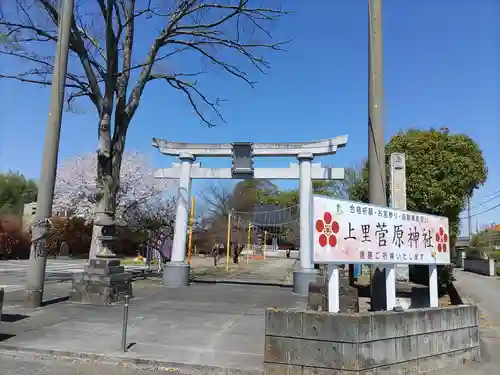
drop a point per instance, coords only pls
(176, 274)
(103, 282)
(301, 280)
(317, 299)
(402, 272)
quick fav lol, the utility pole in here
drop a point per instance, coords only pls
(376, 142)
(469, 219)
(41, 224)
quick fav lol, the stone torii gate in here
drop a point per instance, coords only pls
(176, 273)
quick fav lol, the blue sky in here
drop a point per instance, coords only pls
(441, 64)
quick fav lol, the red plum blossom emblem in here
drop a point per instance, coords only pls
(327, 229)
(441, 240)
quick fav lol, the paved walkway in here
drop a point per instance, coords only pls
(219, 326)
(13, 272)
(189, 329)
(278, 271)
(272, 271)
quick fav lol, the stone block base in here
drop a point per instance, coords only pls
(176, 275)
(301, 280)
(317, 299)
(103, 282)
(402, 272)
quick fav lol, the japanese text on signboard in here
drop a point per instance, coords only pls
(358, 233)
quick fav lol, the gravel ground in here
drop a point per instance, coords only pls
(29, 364)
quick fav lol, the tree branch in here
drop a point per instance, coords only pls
(121, 116)
(192, 93)
(104, 34)
(36, 81)
(198, 36)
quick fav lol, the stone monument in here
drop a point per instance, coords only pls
(398, 200)
(104, 280)
(64, 251)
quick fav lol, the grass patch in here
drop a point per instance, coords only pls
(130, 262)
(133, 262)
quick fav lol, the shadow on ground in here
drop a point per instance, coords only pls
(11, 318)
(5, 336)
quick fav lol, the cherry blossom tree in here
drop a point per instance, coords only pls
(139, 191)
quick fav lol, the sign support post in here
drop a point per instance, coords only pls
(433, 286)
(390, 287)
(333, 288)
(354, 233)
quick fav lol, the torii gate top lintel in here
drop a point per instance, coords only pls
(317, 148)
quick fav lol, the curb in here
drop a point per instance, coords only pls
(173, 367)
(241, 282)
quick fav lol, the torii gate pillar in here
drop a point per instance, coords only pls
(307, 273)
(176, 273)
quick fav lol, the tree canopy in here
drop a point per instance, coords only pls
(487, 240)
(332, 188)
(442, 171)
(15, 191)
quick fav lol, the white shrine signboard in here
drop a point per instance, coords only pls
(352, 232)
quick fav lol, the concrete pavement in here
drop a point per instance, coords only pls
(203, 329)
(206, 326)
(32, 364)
(13, 272)
(277, 271)
(272, 271)
(485, 292)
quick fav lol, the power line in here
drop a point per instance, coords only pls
(490, 194)
(493, 197)
(487, 210)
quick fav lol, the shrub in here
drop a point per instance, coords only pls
(494, 255)
(74, 231)
(476, 254)
(129, 240)
(14, 243)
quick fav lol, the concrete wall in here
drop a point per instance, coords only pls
(480, 266)
(410, 342)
